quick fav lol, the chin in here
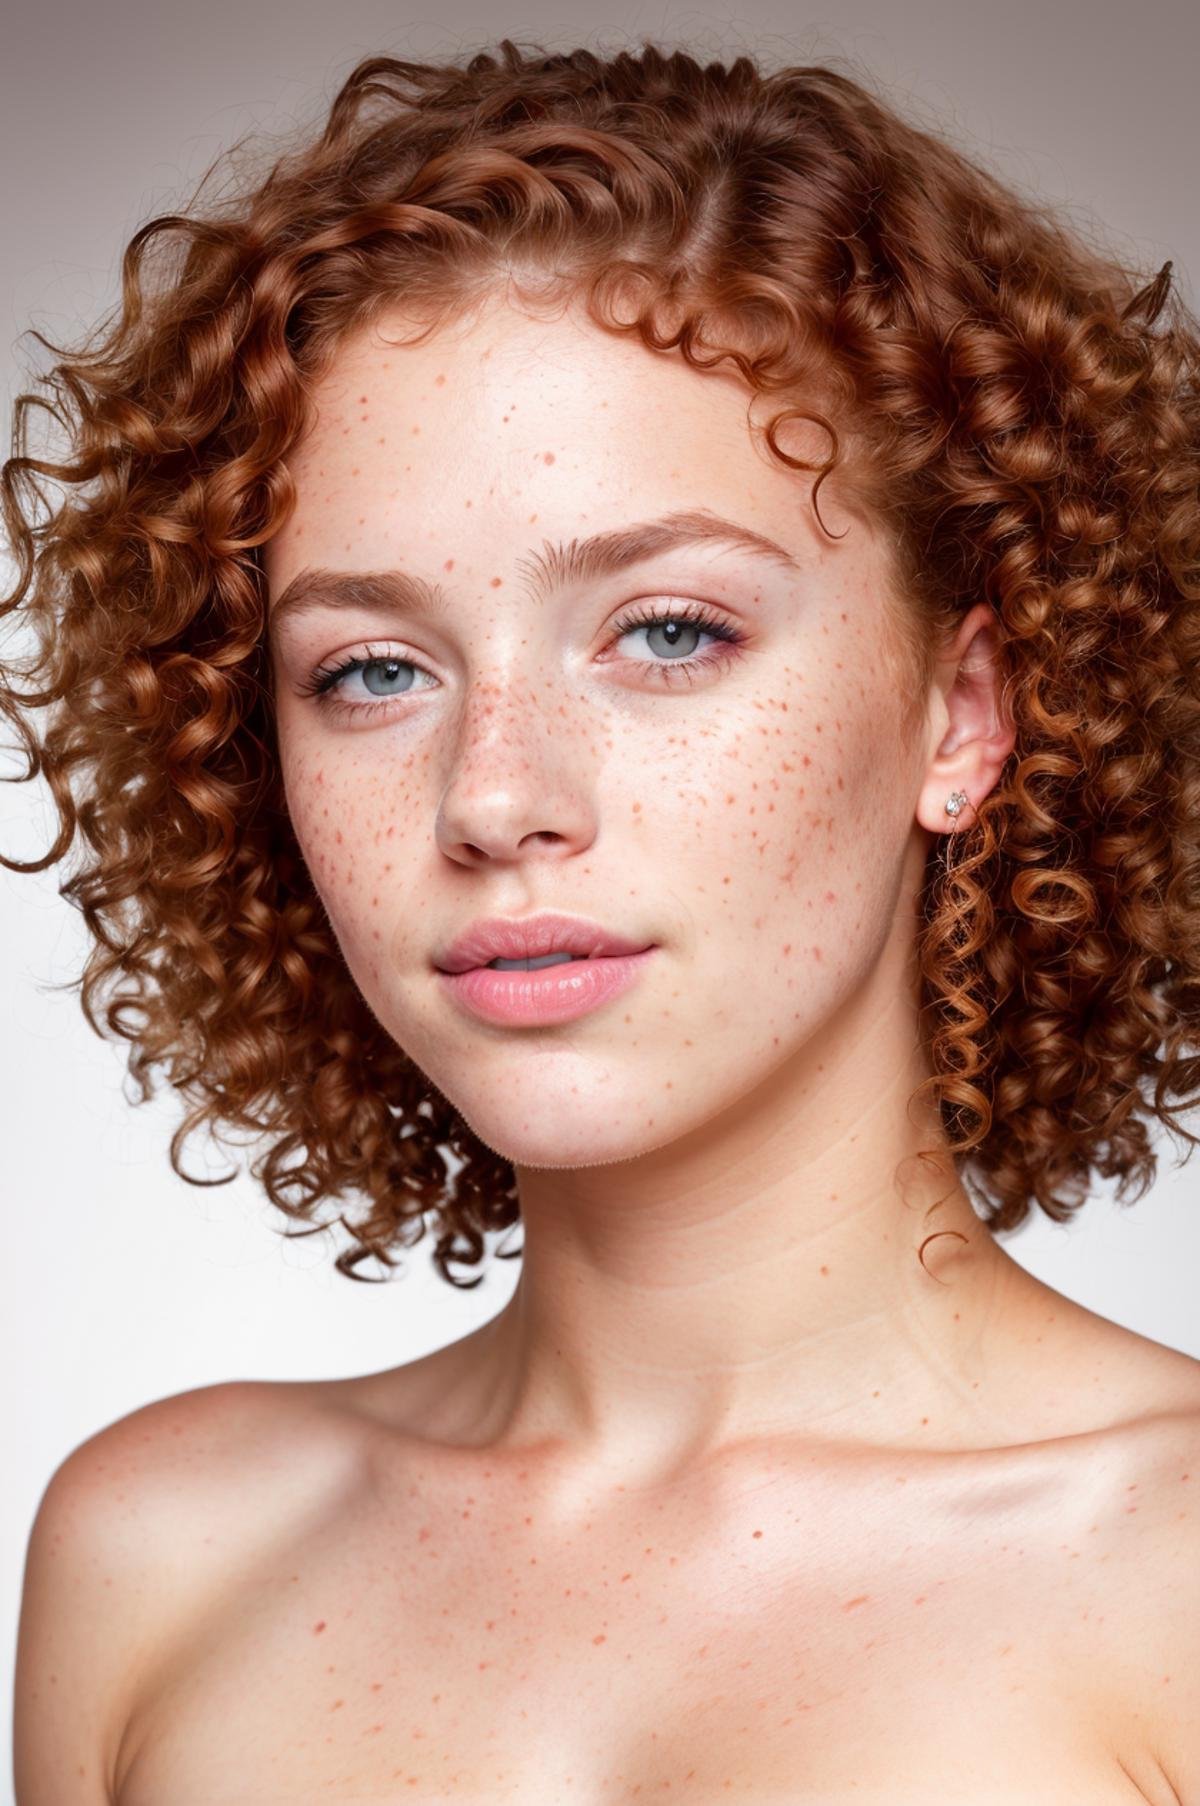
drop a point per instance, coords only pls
(549, 1148)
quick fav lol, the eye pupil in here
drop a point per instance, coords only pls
(670, 630)
(389, 667)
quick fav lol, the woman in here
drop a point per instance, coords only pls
(687, 524)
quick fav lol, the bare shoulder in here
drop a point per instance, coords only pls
(140, 1528)
(1152, 1563)
(1114, 1418)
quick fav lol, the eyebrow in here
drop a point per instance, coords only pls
(602, 554)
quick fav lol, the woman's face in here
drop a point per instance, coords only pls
(519, 746)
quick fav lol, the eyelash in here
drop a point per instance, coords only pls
(322, 681)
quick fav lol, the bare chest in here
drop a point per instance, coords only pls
(885, 1642)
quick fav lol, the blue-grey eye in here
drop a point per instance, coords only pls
(391, 666)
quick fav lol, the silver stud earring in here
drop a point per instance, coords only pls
(957, 800)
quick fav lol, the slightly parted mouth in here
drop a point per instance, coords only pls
(532, 937)
(534, 962)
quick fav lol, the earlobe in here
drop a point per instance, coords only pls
(978, 739)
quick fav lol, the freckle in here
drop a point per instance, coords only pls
(824, 1272)
(336, 1704)
(547, 457)
(318, 1628)
(439, 380)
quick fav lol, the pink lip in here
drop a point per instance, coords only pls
(529, 937)
(548, 995)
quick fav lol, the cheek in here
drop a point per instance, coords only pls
(796, 839)
(347, 838)
(365, 828)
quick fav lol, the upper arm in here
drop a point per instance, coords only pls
(107, 1597)
(1180, 1669)
(104, 1587)
(1159, 1611)
(73, 1639)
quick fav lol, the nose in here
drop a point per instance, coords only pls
(521, 782)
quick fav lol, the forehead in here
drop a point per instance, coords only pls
(503, 428)
(500, 354)
(512, 385)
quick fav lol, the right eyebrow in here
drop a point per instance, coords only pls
(599, 555)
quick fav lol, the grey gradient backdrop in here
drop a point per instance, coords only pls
(122, 1283)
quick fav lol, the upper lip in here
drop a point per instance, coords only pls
(528, 937)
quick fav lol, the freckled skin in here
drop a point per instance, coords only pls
(734, 1122)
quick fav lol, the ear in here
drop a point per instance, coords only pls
(970, 737)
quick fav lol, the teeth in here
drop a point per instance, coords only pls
(531, 965)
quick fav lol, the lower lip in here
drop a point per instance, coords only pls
(548, 995)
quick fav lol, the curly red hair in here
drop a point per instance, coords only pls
(1019, 409)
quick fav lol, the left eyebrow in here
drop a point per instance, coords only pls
(599, 555)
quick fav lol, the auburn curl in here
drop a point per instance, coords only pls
(1019, 408)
